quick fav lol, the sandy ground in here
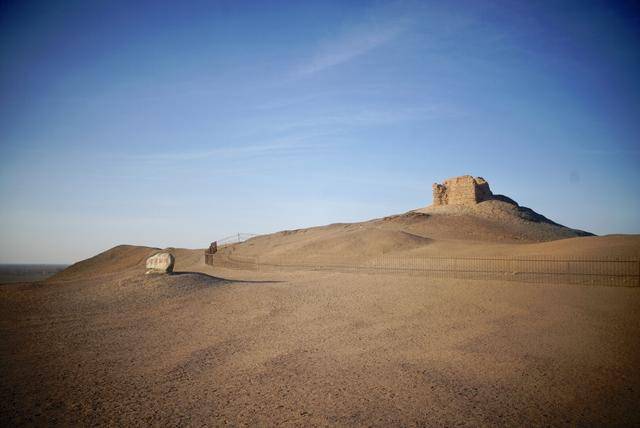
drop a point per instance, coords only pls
(305, 348)
(101, 343)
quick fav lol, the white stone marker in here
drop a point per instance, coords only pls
(161, 263)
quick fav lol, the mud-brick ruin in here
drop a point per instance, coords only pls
(463, 190)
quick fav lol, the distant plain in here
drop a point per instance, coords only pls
(28, 272)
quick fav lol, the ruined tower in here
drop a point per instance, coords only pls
(463, 190)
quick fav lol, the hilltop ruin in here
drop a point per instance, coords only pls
(463, 190)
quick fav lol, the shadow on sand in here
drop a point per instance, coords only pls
(217, 278)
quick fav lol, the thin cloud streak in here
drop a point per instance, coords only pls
(341, 121)
(351, 45)
(276, 148)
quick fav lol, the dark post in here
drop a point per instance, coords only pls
(208, 254)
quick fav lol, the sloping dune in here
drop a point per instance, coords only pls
(495, 229)
(127, 259)
(331, 243)
(609, 246)
(492, 228)
(496, 220)
(120, 259)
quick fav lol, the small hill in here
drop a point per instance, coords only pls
(435, 230)
(117, 260)
(499, 219)
(333, 243)
(126, 260)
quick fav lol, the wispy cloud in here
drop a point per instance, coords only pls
(341, 120)
(276, 148)
(350, 45)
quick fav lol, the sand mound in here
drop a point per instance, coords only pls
(120, 259)
(449, 231)
(127, 260)
(500, 207)
(597, 247)
(496, 220)
(333, 243)
(366, 241)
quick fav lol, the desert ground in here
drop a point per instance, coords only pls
(101, 343)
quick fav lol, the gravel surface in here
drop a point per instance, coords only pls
(302, 348)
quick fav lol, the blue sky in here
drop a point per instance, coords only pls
(173, 124)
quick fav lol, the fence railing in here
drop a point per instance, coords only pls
(223, 242)
(235, 238)
(586, 271)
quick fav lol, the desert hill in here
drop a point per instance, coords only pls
(124, 261)
(420, 234)
(350, 243)
(465, 220)
(117, 260)
(402, 235)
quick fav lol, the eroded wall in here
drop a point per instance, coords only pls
(463, 190)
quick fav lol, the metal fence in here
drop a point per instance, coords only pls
(586, 271)
(235, 238)
(223, 242)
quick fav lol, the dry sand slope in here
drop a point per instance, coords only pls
(101, 343)
(490, 228)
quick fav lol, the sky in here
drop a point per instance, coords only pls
(179, 123)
